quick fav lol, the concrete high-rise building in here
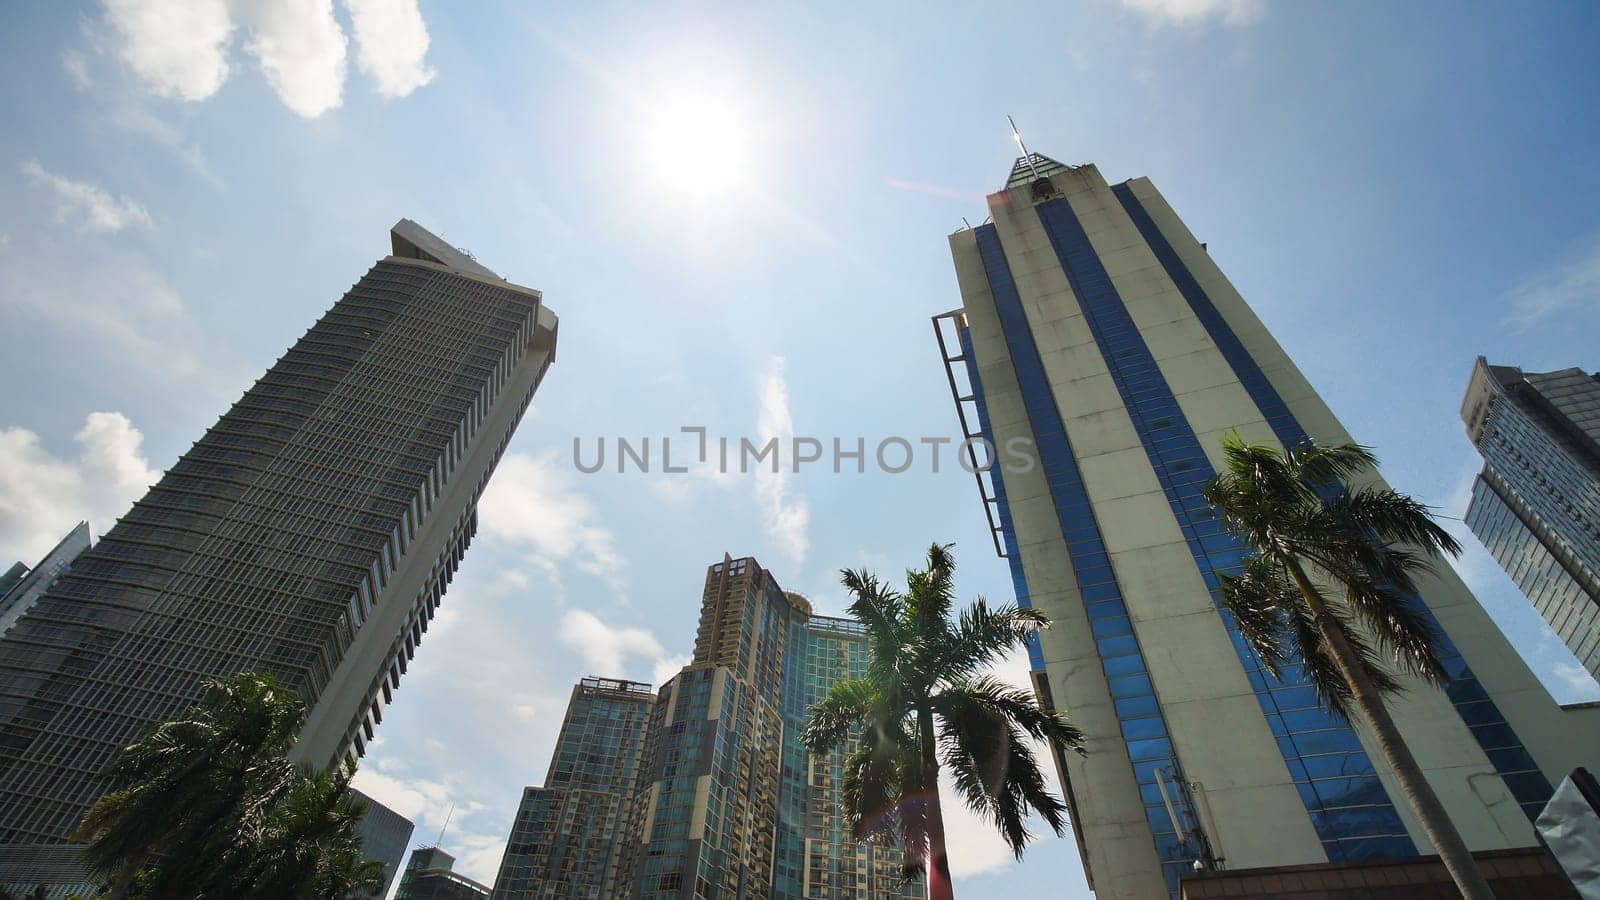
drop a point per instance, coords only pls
(385, 834)
(22, 587)
(730, 804)
(1536, 504)
(566, 840)
(430, 875)
(310, 533)
(1104, 355)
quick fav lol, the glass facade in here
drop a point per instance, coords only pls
(1548, 582)
(1536, 505)
(338, 492)
(1114, 318)
(18, 595)
(1144, 730)
(1482, 717)
(567, 836)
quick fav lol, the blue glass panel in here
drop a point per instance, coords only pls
(1181, 467)
(1465, 688)
(1119, 648)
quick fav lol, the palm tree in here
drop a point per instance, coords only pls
(925, 701)
(179, 794)
(1331, 565)
(309, 846)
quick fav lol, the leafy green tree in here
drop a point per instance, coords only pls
(1328, 587)
(209, 805)
(309, 846)
(926, 701)
(180, 792)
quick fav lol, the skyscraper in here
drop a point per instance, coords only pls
(730, 804)
(310, 533)
(430, 875)
(1103, 354)
(566, 840)
(385, 835)
(1536, 504)
(18, 594)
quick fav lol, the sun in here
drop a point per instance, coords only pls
(696, 142)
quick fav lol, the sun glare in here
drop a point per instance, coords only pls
(697, 143)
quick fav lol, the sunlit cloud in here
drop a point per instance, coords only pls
(1573, 285)
(784, 510)
(43, 495)
(181, 49)
(936, 190)
(94, 208)
(391, 44)
(1197, 12)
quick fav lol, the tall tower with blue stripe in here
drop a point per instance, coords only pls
(1102, 355)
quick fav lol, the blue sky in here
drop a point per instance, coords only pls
(740, 214)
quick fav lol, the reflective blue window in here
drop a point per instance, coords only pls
(1181, 466)
(1465, 689)
(1149, 748)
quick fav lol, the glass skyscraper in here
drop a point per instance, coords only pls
(22, 587)
(1536, 504)
(567, 836)
(309, 533)
(730, 805)
(1102, 354)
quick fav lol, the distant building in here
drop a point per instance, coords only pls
(730, 804)
(428, 876)
(1103, 353)
(21, 587)
(567, 836)
(1536, 504)
(311, 532)
(385, 834)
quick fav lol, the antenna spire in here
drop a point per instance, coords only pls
(440, 842)
(1026, 156)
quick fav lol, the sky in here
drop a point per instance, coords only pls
(739, 212)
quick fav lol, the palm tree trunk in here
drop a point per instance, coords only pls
(1424, 802)
(936, 865)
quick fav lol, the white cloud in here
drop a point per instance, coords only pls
(787, 516)
(1195, 12)
(606, 648)
(42, 495)
(1576, 677)
(533, 500)
(301, 50)
(1570, 286)
(391, 44)
(77, 68)
(95, 208)
(179, 48)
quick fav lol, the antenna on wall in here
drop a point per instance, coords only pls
(1026, 156)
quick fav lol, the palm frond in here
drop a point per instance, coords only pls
(1321, 668)
(984, 741)
(1394, 518)
(930, 592)
(1259, 599)
(983, 635)
(1321, 467)
(832, 718)
(991, 697)
(1408, 638)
